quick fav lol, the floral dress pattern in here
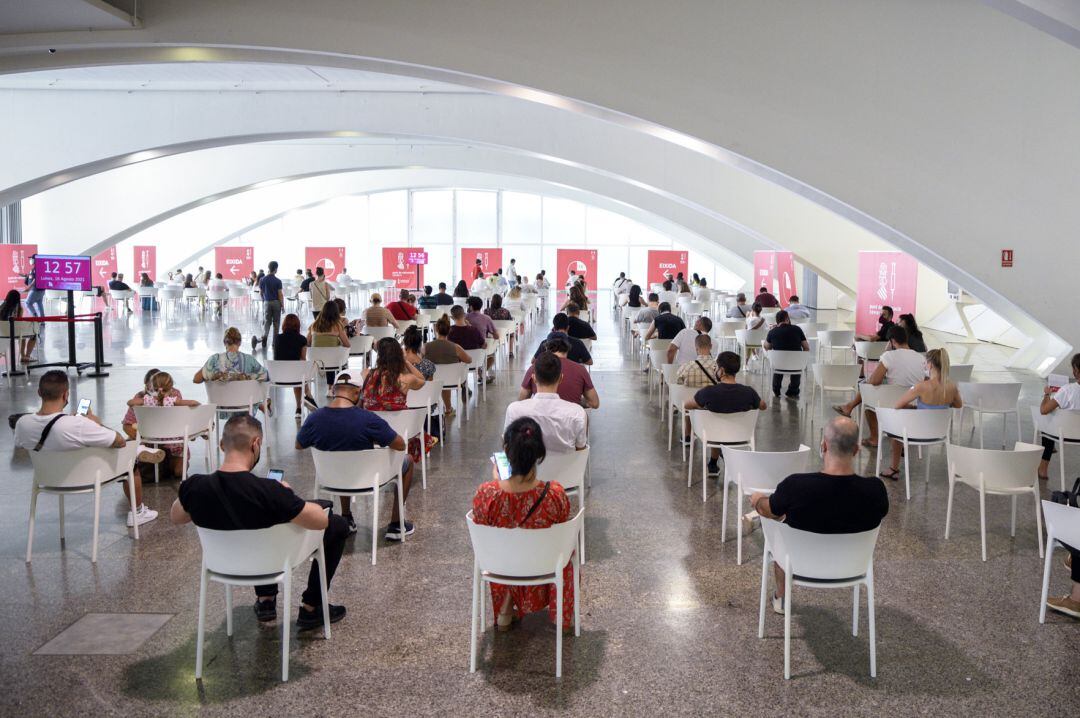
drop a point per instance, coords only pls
(151, 399)
(494, 507)
(378, 397)
(233, 366)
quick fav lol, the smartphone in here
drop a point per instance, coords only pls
(502, 464)
(84, 407)
(275, 474)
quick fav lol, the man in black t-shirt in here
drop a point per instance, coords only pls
(232, 498)
(833, 501)
(885, 323)
(786, 337)
(578, 351)
(442, 299)
(726, 397)
(666, 325)
(579, 328)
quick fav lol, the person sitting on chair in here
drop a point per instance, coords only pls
(725, 397)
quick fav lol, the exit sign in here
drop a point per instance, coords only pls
(1006, 258)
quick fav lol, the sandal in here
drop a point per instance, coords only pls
(839, 409)
(891, 474)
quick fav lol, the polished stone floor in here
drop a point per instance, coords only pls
(669, 619)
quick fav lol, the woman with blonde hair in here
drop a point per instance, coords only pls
(377, 315)
(231, 364)
(328, 330)
(933, 392)
(160, 391)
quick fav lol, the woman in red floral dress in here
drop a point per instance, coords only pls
(386, 387)
(524, 502)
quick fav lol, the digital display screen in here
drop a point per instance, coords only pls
(63, 272)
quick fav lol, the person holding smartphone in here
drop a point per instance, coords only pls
(53, 429)
(515, 498)
(234, 499)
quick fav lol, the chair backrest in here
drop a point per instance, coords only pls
(789, 360)
(304, 297)
(678, 394)
(257, 552)
(836, 337)
(1064, 423)
(169, 292)
(763, 470)
(360, 344)
(871, 350)
(836, 376)
(882, 395)
(450, 375)
(22, 329)
(505, 326)
(146, 291)
(724, 428)
(750, 337)
(658, 358)
(290, 372)
(669, 297)
(406, 422)
(1062, 522)
(477, 357)
(423, 397)
(524, 552)
(820, 556)
(960, 372)
(217, 293)
(81, 467)
(811, 329)
(728, 327)
(461, 301)
(353, 470)
(404, 324)
(668, 371)
(990, 397)
(329, 357)
(566, 467)
(925, 424)
(235, 394)
(191, 292)
(656, 344)
(169, 422)
(377, 333)
(1014, 469)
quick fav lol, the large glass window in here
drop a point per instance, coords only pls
(564, 222)
(521, 222)
(388, 224)
(432, 218)
(477, 223)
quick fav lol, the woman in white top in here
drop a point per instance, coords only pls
(513, 299)
(899, 366)
(754, 320)
(1066, 398)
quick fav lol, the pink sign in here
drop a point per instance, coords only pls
(581, 261)
(663, 262)
(234, 262)
(776, 272)
(63, 272)
(331, 259)
(885, 279)
(145, 261)
(490, 261)
(15, 265)
(104, 265)
(415, 257)
(395, 262)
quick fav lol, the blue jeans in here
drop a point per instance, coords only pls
(33, 302)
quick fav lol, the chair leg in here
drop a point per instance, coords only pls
(30, 526)
(558, 622)
(62, 534)
(131, 499)
(907, 462)
(472, 618)
(982, 520)
(787, 623)
(229, 610)
(723, 514)
(577, 600)
(1061, 459)
(690, 462)
(199, 636)
(286, 624)
(321, 558)
(948, 506)
(855, 613)
(704, 468)
(1046, 577)
(423, 461)
(870, 617)
(738, 524)
(375, 520)
(764, 588)
(401, 506)
(97, 522)
(1038, 520)
(1012, 524)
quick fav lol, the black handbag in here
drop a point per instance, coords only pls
(1068, 498)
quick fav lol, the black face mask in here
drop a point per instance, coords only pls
(882, 320)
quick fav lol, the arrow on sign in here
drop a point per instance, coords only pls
(232, 270)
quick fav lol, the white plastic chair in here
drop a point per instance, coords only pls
(478, 365)
(568, 468)
(236, 396)
(1001, 473)
(1062, 529)
(912, 427)
(451, 377)
(748, 341)
(217, 295)
(329, 359)
(256, 558)
(725, 332)
(523, 557)
(870, 351)
(427, 398)
(291, 374)
(80, 471)
(756, 471)
(717, 430)
(960, 372)
(1063, 427)
(165, 425)
(360, 346)
(788, 363)
(409, 423)
(982, 399)
(377, 333)
(145, 293)
(833, 339)
(677, 398)
(360, 473)
(819, 561)
(876, 396)
(842, 378)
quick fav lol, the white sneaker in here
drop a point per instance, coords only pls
(143, 514)
(778, 604)
(148, 455)
(746, 523)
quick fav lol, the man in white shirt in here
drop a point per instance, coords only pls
(479, 285)
(740, 310)
(703, 294)
(682, 348)
(501, 285)
(52, 429)
(796, 311)
(512, 273)
(1066, 398)
(563, 423)
(899, 366)
(571, 280)
(343, 276)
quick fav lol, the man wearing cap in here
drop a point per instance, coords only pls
(344, 425)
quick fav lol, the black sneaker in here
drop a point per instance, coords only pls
(254, 342)
(266, 611)
(793, 397)
(686, 441)
(307, 620)
(352, 523)
(309, 402)
(394, 533)
(714, 468)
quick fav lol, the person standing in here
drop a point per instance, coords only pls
(512, 273)
(320, 291)
(273, 297)
(33, 299)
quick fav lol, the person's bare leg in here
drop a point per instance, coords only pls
(406, 484)
(130, 430)
(778, 574)
(897, 448)
(871, 422)
(850, 406)
(1044, 468)
(138, 488)
(447, 405)
(346, 505)
(296, 394)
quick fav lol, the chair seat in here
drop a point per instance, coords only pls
(834, 582)
(899, 437)
(243, 579)
(518, 580)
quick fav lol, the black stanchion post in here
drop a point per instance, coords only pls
(99, 349)
(12, 369)
(72, 361)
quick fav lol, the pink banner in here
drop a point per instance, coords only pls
(763, 271)
(331, 259)
(104, 264)
(234, 262)
(663, 262)
(145, 261)
(395, 262)
(885, 279)
(15, 265)
(776, 272)
(490, 261)
(580, 261)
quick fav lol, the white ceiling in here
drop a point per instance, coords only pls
(221, 76)
(21, 16)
